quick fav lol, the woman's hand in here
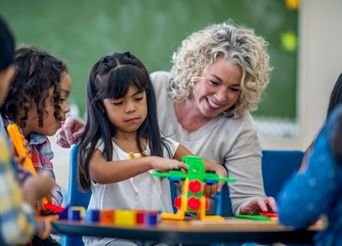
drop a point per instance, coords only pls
(70, 133)
(261, 204)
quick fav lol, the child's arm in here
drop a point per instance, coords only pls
(36, 187)
(46, 155)
(17, 217)
(212, 166)
(104, 172)
(209, 166)
(18, 223)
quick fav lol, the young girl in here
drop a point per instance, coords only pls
(316, 190)
(122, 142)
(37, 103)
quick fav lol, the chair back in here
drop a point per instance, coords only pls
(277, 167)
(75, 197)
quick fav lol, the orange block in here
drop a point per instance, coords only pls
(107, 217)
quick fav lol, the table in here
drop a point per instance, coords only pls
(195, 231)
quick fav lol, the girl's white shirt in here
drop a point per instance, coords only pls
(143, 191)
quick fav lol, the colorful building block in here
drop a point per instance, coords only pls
(192, 199)
(125, 217)
(107, 217)
(92, 215)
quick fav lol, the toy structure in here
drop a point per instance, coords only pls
(192, 199)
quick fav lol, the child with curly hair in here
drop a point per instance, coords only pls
(37, 103)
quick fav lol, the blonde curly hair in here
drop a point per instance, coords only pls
(240, 45)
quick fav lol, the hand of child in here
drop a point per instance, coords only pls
(36, 187)
(44, 225)
(211, 190)
(257, 205)
(163, 165)
(220, 171)
(70, 133)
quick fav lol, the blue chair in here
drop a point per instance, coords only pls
(277, 167)
(75, 196)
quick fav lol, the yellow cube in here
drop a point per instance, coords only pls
(125, 217)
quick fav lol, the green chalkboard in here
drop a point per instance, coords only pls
(81, 31)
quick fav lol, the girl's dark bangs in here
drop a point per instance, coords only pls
(121, 78)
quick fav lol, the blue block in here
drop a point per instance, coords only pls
(92, 216)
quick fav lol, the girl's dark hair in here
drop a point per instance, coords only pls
(35, 73)
(111, 77)
(335, 99)
(7, 45)
(336, 95)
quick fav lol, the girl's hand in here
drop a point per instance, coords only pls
(211, 190)
(163, 165)
(261, 204)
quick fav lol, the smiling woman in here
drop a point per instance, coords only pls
(218, 76)
(214, 93)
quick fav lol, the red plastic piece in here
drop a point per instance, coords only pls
(270, 215)
(140, 217)
(194, 203)
(178, 202)
(195, 186)
(51, 208)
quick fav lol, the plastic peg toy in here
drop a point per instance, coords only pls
(22, 152)
(192, 199)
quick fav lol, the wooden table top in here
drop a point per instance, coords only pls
(193, 230)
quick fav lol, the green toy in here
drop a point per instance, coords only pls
(192, 199)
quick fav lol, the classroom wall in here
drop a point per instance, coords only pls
(81, 31)
(320, 63)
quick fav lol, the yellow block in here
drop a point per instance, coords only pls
(125, 217)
